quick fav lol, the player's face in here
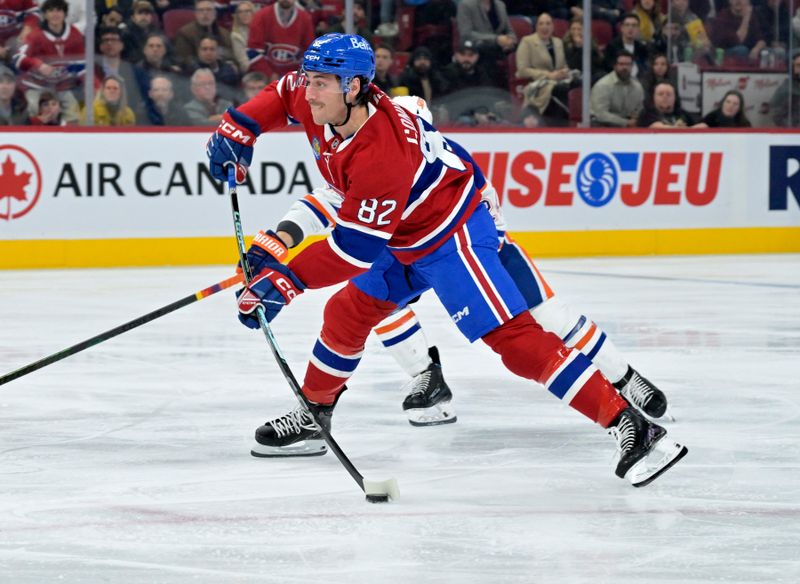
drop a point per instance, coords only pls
(324, 95)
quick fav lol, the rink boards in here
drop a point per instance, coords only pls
(133, 198)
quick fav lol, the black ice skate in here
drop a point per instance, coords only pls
(642, 394)
(429, 400)
(643, 450)
(293, 434)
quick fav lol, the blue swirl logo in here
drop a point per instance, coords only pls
(596, 179)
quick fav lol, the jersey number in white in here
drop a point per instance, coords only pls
(369, 210)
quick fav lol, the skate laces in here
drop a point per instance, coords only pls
(638, 391)
(293, 423)
(420, 384)
(624, 433)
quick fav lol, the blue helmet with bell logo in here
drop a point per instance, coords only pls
(346, 55)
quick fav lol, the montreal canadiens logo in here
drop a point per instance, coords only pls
(596, 180)
(282, 53)
(20, 182)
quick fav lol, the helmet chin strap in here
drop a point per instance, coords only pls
(349, 107)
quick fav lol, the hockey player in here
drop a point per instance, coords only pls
(429, 399)
(411, 220)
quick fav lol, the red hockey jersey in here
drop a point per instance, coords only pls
(15, 13)
(64, 52)
(275, 48)
(402, 186)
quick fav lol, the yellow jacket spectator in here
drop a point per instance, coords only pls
(111, 105)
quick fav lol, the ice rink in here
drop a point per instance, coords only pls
(129, 462)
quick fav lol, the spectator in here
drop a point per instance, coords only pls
(664, 112)
(206, 107)
(651, 20)
(224, 71)
(485, 23)
(573, 51)
(466, 70)
(785, 113)
(253, 83)
(204, 25)
(729, 114)
(278, 36)
(160, 108)
(111, 17)
(657, 71)
(17, 20)
(736, 29)
(384, 60)
(628, 40)
(541, 58)
(685, 31)
(155, 60)
(12, 108)
(141, 23)
(242, 19)
(617, 98)
(421, 79)
(774, 23)
(110, 104)
(48, 111)
(110, 61)
(53, 60)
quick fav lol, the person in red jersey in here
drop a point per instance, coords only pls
(278, 35)
(410, 221)
(53, 59)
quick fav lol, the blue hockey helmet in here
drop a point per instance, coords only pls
(346, 55)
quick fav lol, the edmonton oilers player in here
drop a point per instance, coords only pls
(410, 221)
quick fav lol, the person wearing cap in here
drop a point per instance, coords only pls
(421, 78)
(486, 23)
(12, 108)
(141, 23)
(466, 69)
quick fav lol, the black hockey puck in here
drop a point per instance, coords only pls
(378, 498)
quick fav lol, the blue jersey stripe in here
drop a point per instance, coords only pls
(357, 244)
(317, 214)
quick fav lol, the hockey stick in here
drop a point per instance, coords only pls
(136, 322)
(375, 491)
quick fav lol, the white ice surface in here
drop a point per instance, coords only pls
(130, 462)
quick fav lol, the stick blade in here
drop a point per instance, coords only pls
(382, 491)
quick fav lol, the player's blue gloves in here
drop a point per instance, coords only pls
(273, 289)
(266, 251)
(232, 143)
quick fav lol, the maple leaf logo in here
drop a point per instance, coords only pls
(12, 185)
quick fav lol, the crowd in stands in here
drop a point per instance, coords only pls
(476, 62)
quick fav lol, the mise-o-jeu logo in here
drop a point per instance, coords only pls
(20, 182)
(632, 178)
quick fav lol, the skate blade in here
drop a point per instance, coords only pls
(304, 448)
(662, 456)
(436, 415)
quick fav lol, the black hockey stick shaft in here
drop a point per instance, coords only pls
(273, 343)
(116, 331)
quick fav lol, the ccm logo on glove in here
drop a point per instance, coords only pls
(235, 133)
